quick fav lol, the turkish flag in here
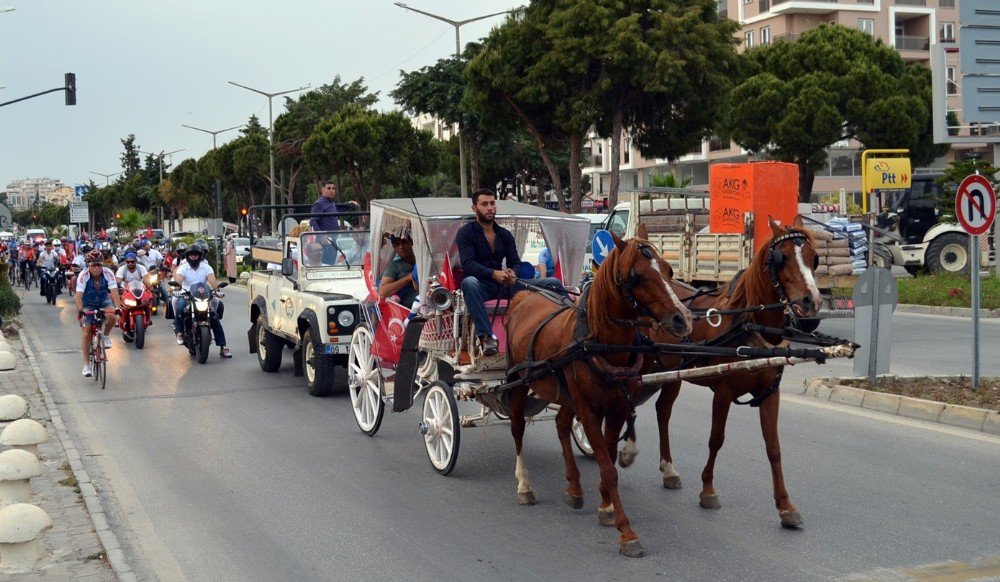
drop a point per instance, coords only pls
(446, 277)
(557, 270)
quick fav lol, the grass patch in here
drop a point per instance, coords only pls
(949, 291)
(94, 556)
(950, 390)
(69, 481)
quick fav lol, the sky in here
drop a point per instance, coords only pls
(148, 66)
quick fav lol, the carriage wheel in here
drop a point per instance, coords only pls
(364, 382)
(581, 440)
(440, 427)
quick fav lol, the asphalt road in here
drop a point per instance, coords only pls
(222, 472)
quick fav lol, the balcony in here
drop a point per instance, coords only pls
(596, 162)
(804, 6)
(911, 2)
(913, 43)
(788, 37)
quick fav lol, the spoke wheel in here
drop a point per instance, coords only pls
(440, 427)
(364, 382)
(580, 439)
(101, 361)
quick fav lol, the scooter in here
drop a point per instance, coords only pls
(137, 303)
(197, 317)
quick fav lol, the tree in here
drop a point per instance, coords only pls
(293, 127)
(132, 219)
(130, 158)
(833, 83)
(371, 149)
(953, 176)
(669, 181)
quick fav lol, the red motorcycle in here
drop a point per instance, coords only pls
(137, 307)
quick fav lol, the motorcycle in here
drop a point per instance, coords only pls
(51, 283)
(196, 317)
(137, 303)
(152, 282)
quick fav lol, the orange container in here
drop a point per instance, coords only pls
(761, 188)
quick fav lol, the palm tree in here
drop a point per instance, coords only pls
(669, 181)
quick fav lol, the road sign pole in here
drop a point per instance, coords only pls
(974, 252)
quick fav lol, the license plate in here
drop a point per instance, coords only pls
(335, 349)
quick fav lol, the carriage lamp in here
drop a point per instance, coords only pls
(345, 318)
(440, 298)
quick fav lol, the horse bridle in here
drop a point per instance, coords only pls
(776, 260)
(626, 286)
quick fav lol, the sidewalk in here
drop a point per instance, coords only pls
(72, 549)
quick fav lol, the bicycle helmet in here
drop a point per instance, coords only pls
(95, 257)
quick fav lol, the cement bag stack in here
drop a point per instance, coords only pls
(849, 235)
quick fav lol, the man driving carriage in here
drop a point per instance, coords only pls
(397, 279)
(483, 247)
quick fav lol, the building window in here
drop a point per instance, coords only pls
(627, 152)
(947, 3)
(867, 26)
(765, 35)
(950, 83)
(749, 39)
(947, 32)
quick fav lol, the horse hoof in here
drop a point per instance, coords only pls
(672, 482)
(625, 461)
(574, 501)
(709, 500)
(526, 498)
(607, 518)
(632, 549)
(791, 519)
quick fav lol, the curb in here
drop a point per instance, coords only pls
(112, 547)
(949, 311)
(967, 417)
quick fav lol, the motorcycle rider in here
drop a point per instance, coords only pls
(194, 270)
(50, 259)
(95, 289)
(131, 270)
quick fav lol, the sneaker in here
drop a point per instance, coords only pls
(225, 353)
(488, 346)
(87, 372)
(107, 342)
(180, 339)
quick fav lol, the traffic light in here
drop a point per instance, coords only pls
(70, 88)
(243, 211)
(118, 215)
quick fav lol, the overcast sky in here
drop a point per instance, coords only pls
(148, 66)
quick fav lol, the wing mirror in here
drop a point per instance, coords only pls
(287, 266)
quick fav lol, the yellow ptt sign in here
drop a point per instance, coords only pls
(888, 173)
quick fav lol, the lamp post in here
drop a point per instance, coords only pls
(161, 155)
(218, 193)
(214, 133)
(458, 55)
(270, 138)
(107, 177)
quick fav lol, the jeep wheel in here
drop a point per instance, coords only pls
(269, 348)
(318, 367)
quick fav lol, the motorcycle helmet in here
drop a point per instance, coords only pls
(194, 254)
(137, 244)
(57, 243)
(181, 247)
(86, 248)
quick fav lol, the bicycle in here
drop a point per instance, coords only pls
(98, 357)
(30, 275)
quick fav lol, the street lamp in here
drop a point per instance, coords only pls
(107, 177)
(458, 55)
(214, 133)
(160, 155)
(218, 190)
(270, 138)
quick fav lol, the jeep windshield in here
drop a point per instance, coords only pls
(334, 249)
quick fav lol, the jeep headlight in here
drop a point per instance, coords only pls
(345, 318)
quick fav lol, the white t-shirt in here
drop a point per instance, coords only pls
(125, 275)
(81, 281)
(48, 259)
(153, 256)
(80, 261)
(192, 276)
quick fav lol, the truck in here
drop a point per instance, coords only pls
(311, 304)
(908, 232)
(677, 221)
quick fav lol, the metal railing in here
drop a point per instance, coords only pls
(913, 43)
(911, 2)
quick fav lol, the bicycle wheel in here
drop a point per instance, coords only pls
(94, 370)
(102, 363)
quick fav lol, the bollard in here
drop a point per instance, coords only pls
(20, 525)
(24, 434)
(12, 407)
(17, 468)
(7, 361)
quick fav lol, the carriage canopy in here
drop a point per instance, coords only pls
(434, 222)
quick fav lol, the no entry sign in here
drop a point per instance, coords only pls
(975, 204)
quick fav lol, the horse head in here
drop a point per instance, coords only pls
(643, 280)
(791, 261)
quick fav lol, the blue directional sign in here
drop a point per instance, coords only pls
(602, 245)
(80, 191)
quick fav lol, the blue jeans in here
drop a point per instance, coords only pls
(477, 292)
(214, 321)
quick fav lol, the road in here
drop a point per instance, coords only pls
(222, 472)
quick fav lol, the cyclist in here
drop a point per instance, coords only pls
(95, 289)
(131, 270)
(26, 260)
(196, 270)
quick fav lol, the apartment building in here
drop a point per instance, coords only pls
(25, 193)
(911, 26)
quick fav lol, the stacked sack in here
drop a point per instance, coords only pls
(834, 252)
(849, 235)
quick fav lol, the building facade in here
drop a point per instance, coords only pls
(26, 193)
(911, 26)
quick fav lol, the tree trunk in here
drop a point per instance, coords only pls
(616, 146)
(575, 172)
(806, 179)
(543, 151)
(474, 163)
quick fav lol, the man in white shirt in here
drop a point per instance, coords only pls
(131, 270)
(153, 257)
(194, 269)
(49, 259)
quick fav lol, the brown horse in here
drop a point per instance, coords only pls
(633, 282)
(780, 276)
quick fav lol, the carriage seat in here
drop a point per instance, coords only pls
(496, 306)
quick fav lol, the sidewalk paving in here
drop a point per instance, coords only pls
(72, 549)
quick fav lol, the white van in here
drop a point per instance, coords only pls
(35, 235)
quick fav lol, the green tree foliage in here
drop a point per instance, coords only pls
(371, 149)
(953, 176)
(293, 127)
(130, 158)
(131, 220)
(832, 83)
(669, 181)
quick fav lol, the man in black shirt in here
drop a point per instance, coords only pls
(483, 246)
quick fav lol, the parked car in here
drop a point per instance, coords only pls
(242, 245)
